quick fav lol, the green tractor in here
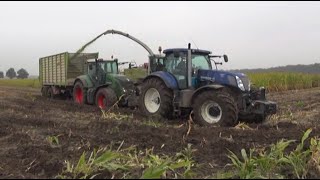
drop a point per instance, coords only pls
(103, 85)
(84, 78)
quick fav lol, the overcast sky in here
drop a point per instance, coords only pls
(252, 34)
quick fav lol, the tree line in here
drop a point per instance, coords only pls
(11, 73)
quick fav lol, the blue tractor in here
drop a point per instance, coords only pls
(184, 80)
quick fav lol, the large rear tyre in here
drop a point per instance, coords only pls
(215, 108)
(105, 98)
(156, 99)
(79, 93)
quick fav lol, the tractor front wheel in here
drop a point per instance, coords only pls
(105, 98)
(215, 108)
(79, 93)
(156, 99)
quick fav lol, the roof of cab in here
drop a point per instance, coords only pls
(166, 51)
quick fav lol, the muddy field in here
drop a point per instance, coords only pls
(27, 120)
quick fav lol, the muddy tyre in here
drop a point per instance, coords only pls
(105, 98)
(44, 91)
(156, 99)
(79, 93)
(215, 108)
(50, 93)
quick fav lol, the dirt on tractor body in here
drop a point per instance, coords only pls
(27, 120)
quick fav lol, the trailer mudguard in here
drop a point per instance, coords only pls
(166, 77)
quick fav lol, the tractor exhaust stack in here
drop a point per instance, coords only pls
(189, 67)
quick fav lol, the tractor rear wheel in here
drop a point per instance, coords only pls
(156, 99)
(215, 108)
(79, 93)
(105, 98)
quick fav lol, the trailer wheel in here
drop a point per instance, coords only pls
(215, 108)
(79, 93)
(105, 98)
(156, 99)
(44, 91)
(50, 93)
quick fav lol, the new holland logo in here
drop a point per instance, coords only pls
(207, 78)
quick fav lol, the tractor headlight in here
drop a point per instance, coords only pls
(240, 83)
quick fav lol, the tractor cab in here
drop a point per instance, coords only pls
(99, 69)
(107, 66)
(174, 61)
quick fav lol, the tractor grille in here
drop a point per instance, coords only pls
(246, 83)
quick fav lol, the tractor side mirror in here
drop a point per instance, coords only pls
(90, 66)
(225, 57)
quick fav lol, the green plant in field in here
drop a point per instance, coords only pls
(53, 140)
(93, 166)
(298, 158)
(126, 163)
(271, 164)
(160, 166)
(187, 153)
(314, 161)
(300, 104)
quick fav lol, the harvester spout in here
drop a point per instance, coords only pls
(112, 31)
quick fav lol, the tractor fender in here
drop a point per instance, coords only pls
(86, 83)
(166, 77)
(205, 88)
(101, 86)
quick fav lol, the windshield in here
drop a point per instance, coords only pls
(176, 61)
(111, 67)
(200, 61)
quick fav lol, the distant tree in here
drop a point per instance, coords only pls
(1, 74)
(22, 74)
(11, 73)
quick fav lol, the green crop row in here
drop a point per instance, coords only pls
(278, 81)
(33, 83)
(273, 81)
(281, 160)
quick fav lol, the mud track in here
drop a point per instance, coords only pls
(27, 120)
